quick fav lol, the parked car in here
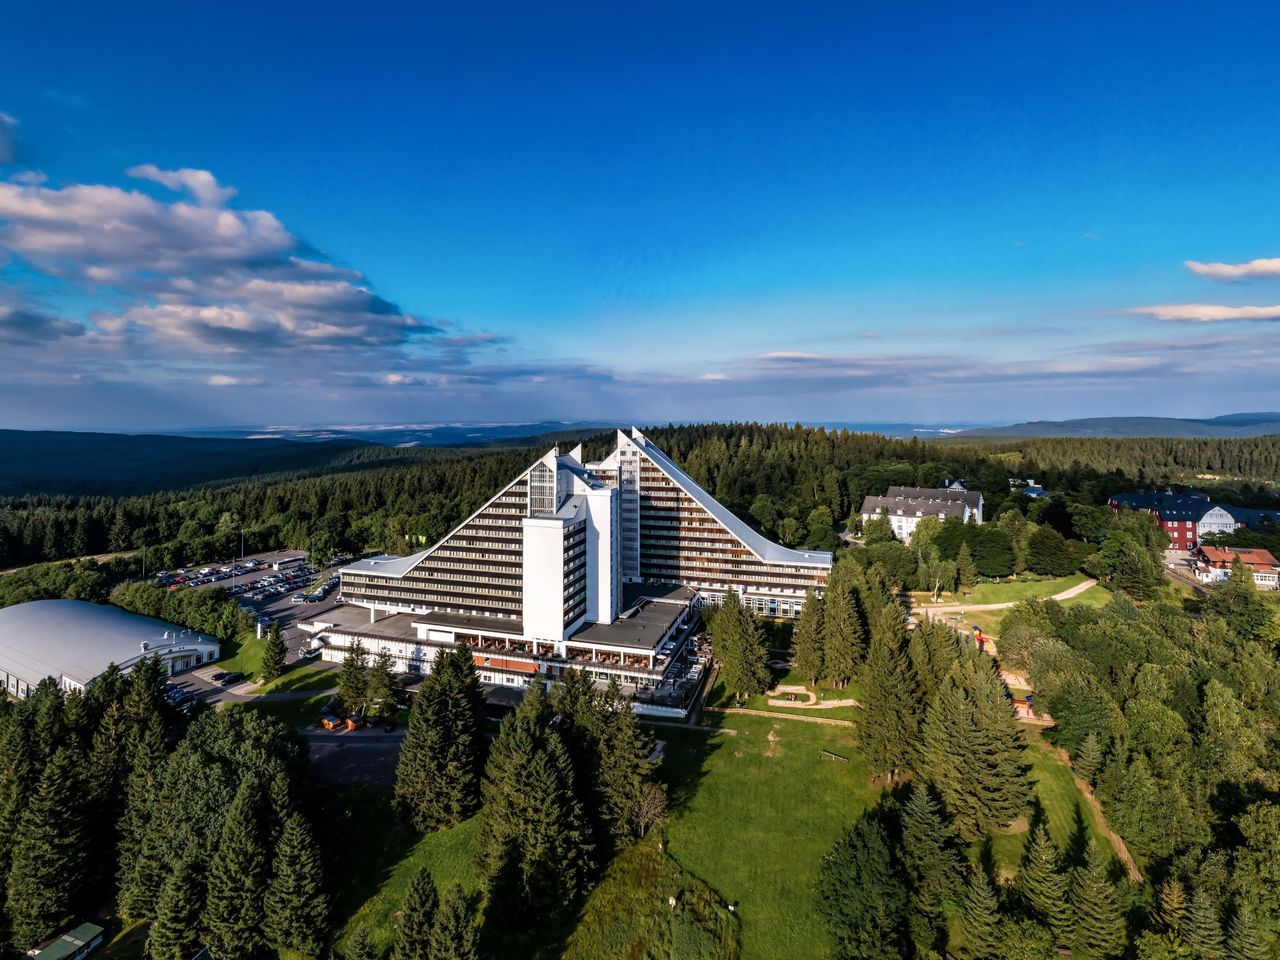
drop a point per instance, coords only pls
(230, 679)
(219, 676)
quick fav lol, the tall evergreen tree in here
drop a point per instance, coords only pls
(272, 655)
(417, 918)
(978, 917)
(140, 872)
(1088, 759)
(932, 862)
(454, 936)
(1245, 941)
(1099, 925)
(806, 642)
(1173, 905)
(438, 773)
(360, 947)
(1043, 885)
(1202, 931)
(47, 870)
(533, 849)
(890, 727)
(380, 681)
(296, 906)
(176, 932)
(861, 894)
(625, 772)
(234, 915)
(353, 680)
(737, 641)
(843, 632)
(966, 569)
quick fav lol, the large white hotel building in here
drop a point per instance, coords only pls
(592, 566)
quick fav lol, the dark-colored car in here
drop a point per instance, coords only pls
(218, 677)
(230, 679)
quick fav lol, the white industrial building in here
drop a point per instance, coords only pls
(74, 642)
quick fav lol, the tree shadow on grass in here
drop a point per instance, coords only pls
(358, 818)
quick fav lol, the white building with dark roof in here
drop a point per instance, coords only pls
(74, 642)
(593, 566)
(907, 506)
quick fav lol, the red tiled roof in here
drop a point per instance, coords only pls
(1253, 557)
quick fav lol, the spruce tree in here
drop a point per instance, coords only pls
(1043, 885)
(454, 936)
(140, 872)
(1173, 905)
(176, 932)
(966, 569)
(978, 917)
(380, 681)
(272, 655)
(360, 947)
(843, 633)
(296, 907)
(1099, 925)
(806, 641)
(1245, 941)
(890, 726)
(932, 862)
(1088, 759)
(1202, 931)
(353, 678)
(234, 914)
(47, 870)
(417, 918)
(438, 773)
(737, 640)
(624, 769)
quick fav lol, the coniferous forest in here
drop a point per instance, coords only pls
(208, 828)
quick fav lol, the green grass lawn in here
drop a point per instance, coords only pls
(1026, 586)
(752, 815)
(718, 696)
(1064, 809)
(629, 914)
(243, 655)
(373, 880)
(302, 677)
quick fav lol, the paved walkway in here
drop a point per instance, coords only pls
(829, 721)
(931, 609)
(811, 701)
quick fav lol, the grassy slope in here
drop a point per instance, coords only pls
(753, 817)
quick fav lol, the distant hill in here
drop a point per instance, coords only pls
(1230, 425)
(86, 464)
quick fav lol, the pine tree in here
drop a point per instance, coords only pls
(624, 770)
(296, 908)
(890, 725)
(1173, 905)
(1202, 931)
(861, 894)
(1099, 926)
(929, 853)
(175, 933)
(272, 655)
(234, 913)
(1042, 884)
(353, 678)
(1088, 759)
(380, 681)
(966, 569)
(1245, 940)
(438, 773)
(454, 935)
(978, 917)
(47, 870)
(533, 848)
(360, 947)
(417, 917)
(843, 634)
(737, 640)
(806, 642)
(141, 873)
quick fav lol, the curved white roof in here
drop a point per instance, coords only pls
(78, 640)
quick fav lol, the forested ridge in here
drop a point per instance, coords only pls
(797, 484)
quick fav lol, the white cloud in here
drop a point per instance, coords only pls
(201, 184)
(1264, 267)
(222, 380)
(1206, 312)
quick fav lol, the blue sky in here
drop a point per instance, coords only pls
(503, 211)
